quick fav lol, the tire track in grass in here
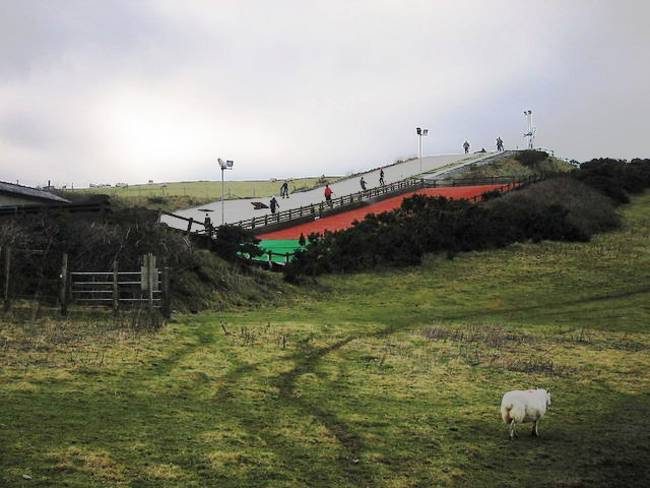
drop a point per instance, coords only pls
(285, 382)
(349, 466)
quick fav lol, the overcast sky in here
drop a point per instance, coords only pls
(127, 91)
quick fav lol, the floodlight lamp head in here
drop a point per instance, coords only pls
(225, 164)
(425, 132)
(418, 130)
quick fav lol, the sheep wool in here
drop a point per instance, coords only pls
(518, 407)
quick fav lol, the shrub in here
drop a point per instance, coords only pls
(232, 241)
(616, 178)
(587, 210)
(491, 195)
(531, 157)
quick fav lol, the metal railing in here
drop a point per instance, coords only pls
(338, 204)
(324, 207)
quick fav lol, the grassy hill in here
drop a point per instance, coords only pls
(510, 166)
(175, 195)
(386, 379)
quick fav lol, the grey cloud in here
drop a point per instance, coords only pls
(123, 90)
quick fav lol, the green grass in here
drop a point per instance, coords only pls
(341, 388)
(175, 195)
(512, 167)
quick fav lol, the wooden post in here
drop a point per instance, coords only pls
(7, 300)
(116, 288)
(189, 225)
(166, 299)
(64, 285)
(153, 281)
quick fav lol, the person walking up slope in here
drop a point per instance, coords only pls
(273, 204)
(284, 190)
(466, 147)
(328, 195)
(499, 144)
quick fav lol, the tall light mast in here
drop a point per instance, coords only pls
(530, 132)
(224, 165)
(421, 133)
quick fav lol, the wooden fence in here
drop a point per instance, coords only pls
(148, 287)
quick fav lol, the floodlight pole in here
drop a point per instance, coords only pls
(420, 132)
(530, 134)
(224, 165)
(222, 193)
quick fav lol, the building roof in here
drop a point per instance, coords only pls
(29, 192)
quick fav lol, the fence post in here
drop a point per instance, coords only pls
(189, 225)
(150, 274)
(7, 300)
(166, 299)
(116, 289)
(64, 285)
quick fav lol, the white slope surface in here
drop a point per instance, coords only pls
(242, 209)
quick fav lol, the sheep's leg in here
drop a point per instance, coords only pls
(534, 431)
(513, 432)
(537, 428)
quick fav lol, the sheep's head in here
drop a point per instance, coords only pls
(548, 399)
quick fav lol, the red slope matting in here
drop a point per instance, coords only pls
(344, 220)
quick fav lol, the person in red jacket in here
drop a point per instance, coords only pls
(328, 195)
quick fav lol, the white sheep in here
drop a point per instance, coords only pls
(518, 407)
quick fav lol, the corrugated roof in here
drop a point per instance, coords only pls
(30, 192)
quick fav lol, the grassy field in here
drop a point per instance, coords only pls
(388, 379)
(171, 196)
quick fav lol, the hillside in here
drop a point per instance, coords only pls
(176, 195)
(387, 379)
(510, 166)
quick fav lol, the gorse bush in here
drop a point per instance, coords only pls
(615, 178)
(564, 208)
(586, 210)
(531, 157)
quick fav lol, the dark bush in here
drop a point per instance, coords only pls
(587, 210)
(615, 178)
(232, 241)
(531, 157)
(491, 195)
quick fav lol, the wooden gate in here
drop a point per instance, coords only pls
(147, 287)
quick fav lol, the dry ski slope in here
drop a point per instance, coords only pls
(241, 209)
